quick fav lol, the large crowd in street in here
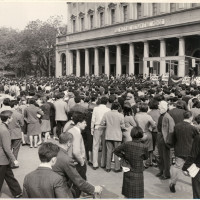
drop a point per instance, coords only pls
(97, 121)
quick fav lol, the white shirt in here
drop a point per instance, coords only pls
(98, 114)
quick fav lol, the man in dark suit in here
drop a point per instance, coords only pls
(6, 156)
(77, 107)
(44, 182)
(182, 138)
(66, 168)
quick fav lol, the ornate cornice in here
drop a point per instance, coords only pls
(90, 11)
(112, 5)
(73, 17)
(101, 9)
(81, 14)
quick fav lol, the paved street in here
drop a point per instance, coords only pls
(154, 188)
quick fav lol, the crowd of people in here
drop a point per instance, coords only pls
(125, 120)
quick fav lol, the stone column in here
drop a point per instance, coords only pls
(146, 55)
(118, 61)
(87, 65)
(78, 64)
(107, 61)
(181, 63)
(96, 61)
(162, 54)
(131, 59)
(69, 62)
(58, 65)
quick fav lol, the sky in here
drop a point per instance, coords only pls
(18, 14)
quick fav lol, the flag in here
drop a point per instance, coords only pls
(174, 80)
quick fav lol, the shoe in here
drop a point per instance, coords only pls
(18, 196)
(108, 170)
(117, 171)
(31, 146)
(159, 174)
(90, 164)
(164, 177)
(14, 167)
(103, 167)
(24, 144)
(172, 187)
(35, 146)
(95, 168)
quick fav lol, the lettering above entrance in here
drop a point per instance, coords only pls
(158, 22)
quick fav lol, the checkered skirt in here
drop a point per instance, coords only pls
(133, 185)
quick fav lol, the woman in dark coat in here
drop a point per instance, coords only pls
(133, 153)
(31, 115)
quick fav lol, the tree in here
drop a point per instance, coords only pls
(27, 51)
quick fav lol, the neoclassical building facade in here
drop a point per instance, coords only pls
(129, 38)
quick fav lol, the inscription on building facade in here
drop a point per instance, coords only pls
(153, 23)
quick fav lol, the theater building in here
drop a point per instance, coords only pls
(130, 38)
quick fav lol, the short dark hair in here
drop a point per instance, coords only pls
(13, 103)
(47, 151)
(104, 100)
(187, 114)
(77, 99)
(115, 106)
(197, 119)
(112, 98)
(136, 132)
(78, 117)
(65, 137)
(6, 102)
(143, 107)
(31, 101)
(5, 115)
(153, 104)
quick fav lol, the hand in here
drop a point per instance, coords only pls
(98, 189)
(82, 164)
(186, 173)
(16, 163)
(92, 131)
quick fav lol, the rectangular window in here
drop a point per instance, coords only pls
(82, 24)
(101, 19)
(74, 26)
(194, 4)
(112, 16)
(172, 7)
(125, 12)
(139, 10)
(91, 21)
(155, 11)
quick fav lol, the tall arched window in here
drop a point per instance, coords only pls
(63, 58)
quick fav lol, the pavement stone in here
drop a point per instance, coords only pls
(112, 182)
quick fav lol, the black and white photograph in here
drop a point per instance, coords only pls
(100, 100)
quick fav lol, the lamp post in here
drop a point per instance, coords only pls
(49, 68)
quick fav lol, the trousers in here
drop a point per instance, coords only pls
(164, 156)
(176, 169)
(196, 186)
(6, 174)
(59, 127)
(82, 171)
(110, 147)
(99, 136)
